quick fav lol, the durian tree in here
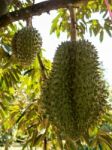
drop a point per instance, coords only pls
(29, 90)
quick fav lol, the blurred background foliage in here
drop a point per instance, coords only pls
(21, 121)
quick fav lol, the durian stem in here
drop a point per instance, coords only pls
(73, 23)
(29, 19)
(29, 22)
(42, 67)
(45, 144)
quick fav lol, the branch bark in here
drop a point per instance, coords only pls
(36, 9)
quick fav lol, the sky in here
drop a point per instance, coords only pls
(51, 42)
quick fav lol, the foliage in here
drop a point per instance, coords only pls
(21, 120)
(84, 20)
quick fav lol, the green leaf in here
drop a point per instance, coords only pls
(108, 32)
(105, 14)
(93, 131)
(70, 145)
(101, 35)
(90, 31)
(38, 139)
(58, 33)
(7, 48)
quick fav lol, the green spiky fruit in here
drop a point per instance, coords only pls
(26, 44)
(74, 96)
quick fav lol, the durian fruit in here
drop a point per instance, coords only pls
(74, 96)
(26, 43)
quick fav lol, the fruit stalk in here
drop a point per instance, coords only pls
(73, 31)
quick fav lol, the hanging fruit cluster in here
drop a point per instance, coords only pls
(26, 44)
(74, 96)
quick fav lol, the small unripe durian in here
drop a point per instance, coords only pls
(26, 44)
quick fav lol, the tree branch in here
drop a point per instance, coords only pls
(36, 9)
